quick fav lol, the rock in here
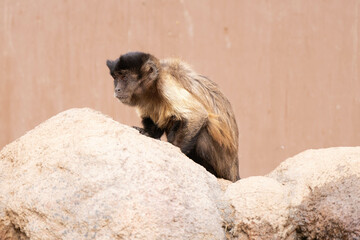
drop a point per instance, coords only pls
(315, 168)
(81, 175)
(224, 184)
(330, 212)
(314, 195)
(324, 188)
(261, 208)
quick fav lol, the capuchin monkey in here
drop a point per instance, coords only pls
(170, 97)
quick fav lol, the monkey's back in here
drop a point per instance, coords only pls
(222, 124)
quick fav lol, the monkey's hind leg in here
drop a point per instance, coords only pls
(199, 160)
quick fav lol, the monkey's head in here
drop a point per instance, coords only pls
(135, 75)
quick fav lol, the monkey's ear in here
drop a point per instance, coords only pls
(111, 64)
(151, 69)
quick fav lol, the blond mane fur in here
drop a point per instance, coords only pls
(186, 93)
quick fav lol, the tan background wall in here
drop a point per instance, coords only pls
(291, 69)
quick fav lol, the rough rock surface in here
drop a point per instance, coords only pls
(331, 211)
(314, 195)
(260, 208)
(81, 175)
(325, 192)
(324, 188)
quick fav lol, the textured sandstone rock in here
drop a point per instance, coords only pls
(325, 192)
(81, 175)
(261, 208)
(315, 168)
(314, 195)
(331, 211)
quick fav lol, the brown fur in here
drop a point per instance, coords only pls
(192, 111)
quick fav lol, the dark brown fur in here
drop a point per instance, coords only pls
(172, 98)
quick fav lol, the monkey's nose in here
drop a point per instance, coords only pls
(117, 90)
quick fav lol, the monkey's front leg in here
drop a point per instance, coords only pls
(150, 128)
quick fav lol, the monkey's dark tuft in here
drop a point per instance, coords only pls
(132, 61)
(111, 65)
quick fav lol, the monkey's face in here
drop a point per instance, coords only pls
(134, 76)
(126, 84)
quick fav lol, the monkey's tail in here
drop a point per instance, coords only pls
(221, 132)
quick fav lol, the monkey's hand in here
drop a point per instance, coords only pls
(144, 132)
(141, 130)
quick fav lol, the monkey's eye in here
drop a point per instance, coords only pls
(124, 78)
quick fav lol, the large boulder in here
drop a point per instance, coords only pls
(324, 189)
(81, 175)
(314, 195)
(261, 208)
